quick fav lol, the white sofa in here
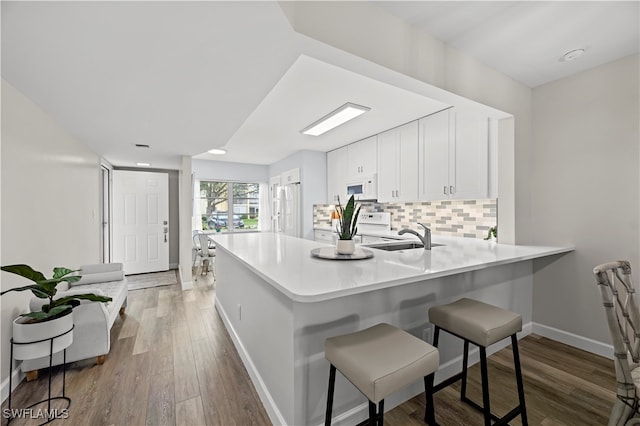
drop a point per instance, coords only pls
(92, 320)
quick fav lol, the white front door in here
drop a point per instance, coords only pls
(141, 221)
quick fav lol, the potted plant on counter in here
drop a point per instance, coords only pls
(54, 317)
(347, 226)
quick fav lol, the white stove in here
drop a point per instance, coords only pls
(374, 222)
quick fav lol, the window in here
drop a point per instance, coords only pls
(215, 199)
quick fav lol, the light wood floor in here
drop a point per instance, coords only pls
(172, 362)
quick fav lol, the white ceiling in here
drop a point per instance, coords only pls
(185, 77)
(309, 90)
(526, 39)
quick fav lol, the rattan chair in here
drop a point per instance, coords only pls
(621, 307)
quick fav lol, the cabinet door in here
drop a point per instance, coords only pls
(388, 166)
(434, 156)
(336, 174)
(408, 162)
(470, 177)
(363, 156)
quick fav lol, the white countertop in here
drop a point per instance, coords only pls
(286, 263)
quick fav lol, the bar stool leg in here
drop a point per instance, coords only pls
(429, 413)
(372, 414)
(381, 413)
(516, 364)
(332, 383)
(485, 386)
(436, 336)
(465, 364)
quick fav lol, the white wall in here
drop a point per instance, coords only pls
(313, 183)
(226, 171)
(50, 202)
(585, 183)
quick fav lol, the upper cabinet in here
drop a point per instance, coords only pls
(398, 164)
(453, 156)
(336, 174)
(362, 157)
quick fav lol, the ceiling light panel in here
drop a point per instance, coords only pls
(334, 119)
(217, 151)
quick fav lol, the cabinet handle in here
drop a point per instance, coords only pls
(452, 190)
(445, 190)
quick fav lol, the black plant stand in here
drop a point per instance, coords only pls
(49, 417)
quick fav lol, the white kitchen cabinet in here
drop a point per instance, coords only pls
(398, 164)
(453, 156)
(336, 174)
(291, 176)
(471, 156)
(325, 236)
(362, 157)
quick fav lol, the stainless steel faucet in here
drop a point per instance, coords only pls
(426, 239)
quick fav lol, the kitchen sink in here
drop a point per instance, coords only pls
(399, 245)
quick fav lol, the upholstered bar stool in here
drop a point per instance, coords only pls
(483, 325)
(379, 361)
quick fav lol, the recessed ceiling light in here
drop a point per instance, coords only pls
(143, 164)
(217, 151)
(572, 54)
(334, 119)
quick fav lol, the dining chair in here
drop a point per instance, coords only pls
(205, 253)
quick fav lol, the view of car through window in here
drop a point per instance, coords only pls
(220, 220)
(229, 206)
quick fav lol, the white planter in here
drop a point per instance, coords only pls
(32, 332)
(345, 247)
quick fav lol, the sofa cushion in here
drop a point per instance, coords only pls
(116, 290)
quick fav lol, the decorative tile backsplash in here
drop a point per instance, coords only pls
(462, 218)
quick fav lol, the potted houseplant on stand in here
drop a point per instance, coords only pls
(347, 226)
(49, 330)
(55, 316)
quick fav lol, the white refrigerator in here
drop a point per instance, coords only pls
(286, 209)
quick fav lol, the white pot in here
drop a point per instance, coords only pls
(345, 247)
(32, 332)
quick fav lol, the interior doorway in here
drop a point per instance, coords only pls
(141, 221)
(106, 214)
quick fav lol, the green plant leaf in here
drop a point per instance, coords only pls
(89, 296)
(59, 272)
(35, 289)
(25, 271)
(348, 217)
(41, 315)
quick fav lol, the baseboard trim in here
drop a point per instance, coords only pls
(17, 377)
(580, 342)
(174, 266)
(269, 404)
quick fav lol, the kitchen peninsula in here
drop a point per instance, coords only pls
(279, 304)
